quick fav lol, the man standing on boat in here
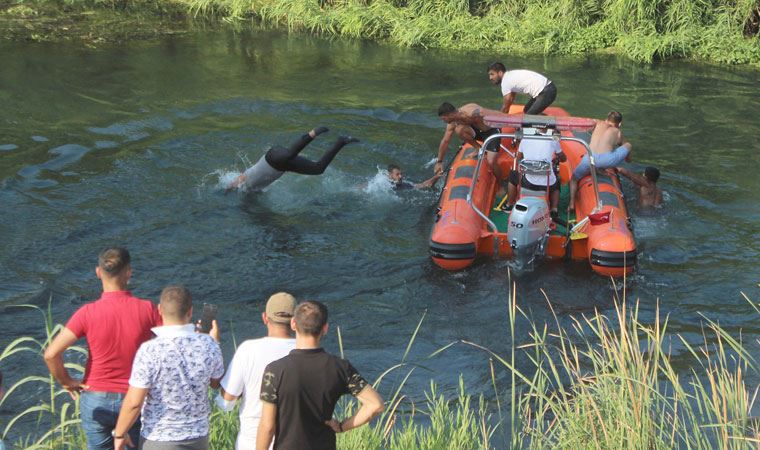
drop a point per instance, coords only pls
(467, 122)
(278, 160)
(541, 90)
(609, 149)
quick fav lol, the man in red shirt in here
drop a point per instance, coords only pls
(114, 326)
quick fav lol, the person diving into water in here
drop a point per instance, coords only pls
(278, 160)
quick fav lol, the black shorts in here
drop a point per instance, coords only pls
(514, 177)
(493, 146)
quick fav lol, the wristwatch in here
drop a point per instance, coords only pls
(113, 435)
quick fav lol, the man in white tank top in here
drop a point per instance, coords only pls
(541, 90)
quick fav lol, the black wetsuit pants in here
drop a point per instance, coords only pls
(538, 104)
(287, 159)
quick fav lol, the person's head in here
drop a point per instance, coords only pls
(652, 174)
(614, 118)
(114, 265)
(395, 174)
(279, 310)
(176, 305)
(310, 319)
(447, 112)
(496, 72)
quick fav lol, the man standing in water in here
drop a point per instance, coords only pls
(278, 160)
(649, 194)
(541, 90)
(609, 149)
(467, 122)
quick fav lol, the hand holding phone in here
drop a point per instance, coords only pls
(207, 317)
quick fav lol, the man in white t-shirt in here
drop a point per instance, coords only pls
(541, 90)
(243, 377)
(538, 150)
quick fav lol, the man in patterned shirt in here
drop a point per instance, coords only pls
(299, 391)
(170, 379)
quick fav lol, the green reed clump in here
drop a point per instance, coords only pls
(610, 382)
(57, 414)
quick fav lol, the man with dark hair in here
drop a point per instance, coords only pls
(609, 149)
(170, 379)
(300, 391)
(541, 90)
(114, 327)
(467, 123)
(278, 160)
(396, 177)
(243, 376)
(650, 194)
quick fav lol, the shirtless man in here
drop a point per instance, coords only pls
(609, 149)
(649, 194)
(278, 160)
(467, 122)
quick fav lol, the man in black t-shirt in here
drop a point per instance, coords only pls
(299, 391)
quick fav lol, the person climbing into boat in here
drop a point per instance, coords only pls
(537, 150)
(650, 194)
(467, 122)
(396, 177)
(609, 147)
(278, 160)
(541, 90)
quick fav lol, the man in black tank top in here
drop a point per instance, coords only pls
(299, 391)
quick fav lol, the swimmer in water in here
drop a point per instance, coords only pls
(278, 160)
(650, 194)
(396, 177)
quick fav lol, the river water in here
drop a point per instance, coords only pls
(126, 145)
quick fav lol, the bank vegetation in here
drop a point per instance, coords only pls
(605, 382)
(721, 31)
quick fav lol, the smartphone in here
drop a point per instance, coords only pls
(208, 315)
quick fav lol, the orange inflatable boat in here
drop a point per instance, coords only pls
(469, 221)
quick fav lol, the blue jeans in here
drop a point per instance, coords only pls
(601, 161)
(99, 411)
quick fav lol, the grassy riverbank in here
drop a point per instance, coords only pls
(607, 382)
(722, 31)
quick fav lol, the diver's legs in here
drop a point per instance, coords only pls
(299, 164)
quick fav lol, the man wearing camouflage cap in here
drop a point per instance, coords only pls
(243, 377)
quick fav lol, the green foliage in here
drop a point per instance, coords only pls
(645, 30)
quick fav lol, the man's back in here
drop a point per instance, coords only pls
(540, 150)
(244, 379)
(176, 368)
(605, 138)
(114, 326)
(305, 386)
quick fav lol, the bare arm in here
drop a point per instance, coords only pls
(130, 409)
(265, 433)
(444, 146)
(508, 100)
(54, 361)
(372, 405)
(636, 178)
(430, 182)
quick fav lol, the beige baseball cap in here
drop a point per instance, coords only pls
(281, 307)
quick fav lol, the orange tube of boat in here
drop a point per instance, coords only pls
(455, 235)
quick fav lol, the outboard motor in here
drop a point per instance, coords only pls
(529, 222)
